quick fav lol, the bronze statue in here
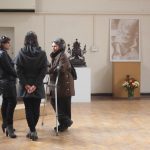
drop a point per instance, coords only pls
(76, 55)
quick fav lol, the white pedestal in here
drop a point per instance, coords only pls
(82, 85)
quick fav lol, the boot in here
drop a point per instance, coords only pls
(34, 136)
(64, 126)
(10, 131)
(61, 128)
(69, 122)
(29, 135)
(4, 127)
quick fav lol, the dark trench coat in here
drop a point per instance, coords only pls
(31, 70)
(8, 75)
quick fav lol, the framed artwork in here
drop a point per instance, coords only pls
(124, 40)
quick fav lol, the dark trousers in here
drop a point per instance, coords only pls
(64, 109)
(32, 110)
(7, 109)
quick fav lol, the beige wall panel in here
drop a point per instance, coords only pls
(145, 48)
(99, 60)
(17, 4)
(23, 23)
(69, 27)
(91, 6)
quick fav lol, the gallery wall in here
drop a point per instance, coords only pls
(88, 21)
(17, 4)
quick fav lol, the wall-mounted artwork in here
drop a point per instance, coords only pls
(124, 40)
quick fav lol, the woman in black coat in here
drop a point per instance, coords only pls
(8, 87)
(31, 65)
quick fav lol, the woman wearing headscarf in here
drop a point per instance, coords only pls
(8, 87)
(31, 65)
(61, 65)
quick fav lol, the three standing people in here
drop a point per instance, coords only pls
(31, 64)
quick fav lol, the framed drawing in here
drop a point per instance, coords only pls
(124, 40)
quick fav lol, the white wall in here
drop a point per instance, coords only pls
(70, 28)
(94, 6)
(22, 23)
(145, 47)
(17, 4)
(89, 22)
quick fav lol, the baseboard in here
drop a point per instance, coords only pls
(102, 94)
(17, 10)
(145, 94)
(111, 94)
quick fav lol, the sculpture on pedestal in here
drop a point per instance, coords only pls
(76, 54)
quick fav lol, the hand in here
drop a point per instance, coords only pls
(27, 86)
(30, 89)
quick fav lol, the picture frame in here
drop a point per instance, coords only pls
(125, 40)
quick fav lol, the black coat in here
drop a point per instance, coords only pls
(31, 70)
(7, 75)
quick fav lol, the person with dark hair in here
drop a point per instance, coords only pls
(8, 77)
(31, 64)
(65, 89)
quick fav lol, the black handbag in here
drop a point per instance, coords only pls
(73, 72)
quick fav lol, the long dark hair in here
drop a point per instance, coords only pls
(4, 40)
(31, 39)
(31, 45)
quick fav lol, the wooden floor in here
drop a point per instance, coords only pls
(103, 124)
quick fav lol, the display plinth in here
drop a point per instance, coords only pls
(82, 85)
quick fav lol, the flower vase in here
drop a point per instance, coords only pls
(130, 93)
